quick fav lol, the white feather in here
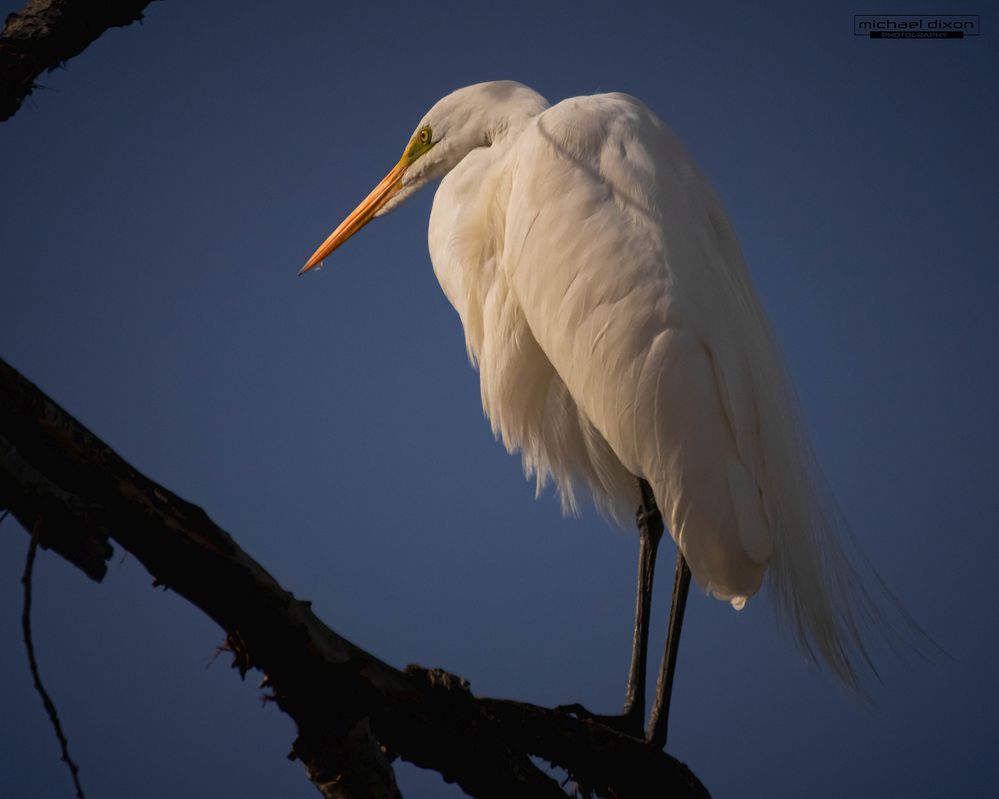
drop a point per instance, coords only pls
(606, 304)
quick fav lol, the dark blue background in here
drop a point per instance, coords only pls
(158, 198)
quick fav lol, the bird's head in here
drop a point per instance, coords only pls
(459, 123)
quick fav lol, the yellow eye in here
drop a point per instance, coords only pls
(419, 144)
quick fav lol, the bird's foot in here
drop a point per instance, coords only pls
(626, 723)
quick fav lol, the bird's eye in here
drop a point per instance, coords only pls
(424, 135)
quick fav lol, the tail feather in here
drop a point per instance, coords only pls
(825, 591)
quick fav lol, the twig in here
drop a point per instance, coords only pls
(30, 646)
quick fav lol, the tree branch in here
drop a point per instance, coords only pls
(354, 712)
(47, 33)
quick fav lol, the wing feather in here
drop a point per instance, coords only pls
(618, 292)
(606, 302)
(635, 289)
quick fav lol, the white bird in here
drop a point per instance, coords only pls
(622, 347)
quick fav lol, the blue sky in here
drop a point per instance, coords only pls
(158, 198)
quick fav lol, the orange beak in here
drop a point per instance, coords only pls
(360, 216)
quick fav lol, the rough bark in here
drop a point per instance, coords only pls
(48, 33)
(354, 712)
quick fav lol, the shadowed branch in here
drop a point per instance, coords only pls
(354, 712)
(47, 33)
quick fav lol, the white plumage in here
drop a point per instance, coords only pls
(606, 304)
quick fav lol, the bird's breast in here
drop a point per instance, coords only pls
(528, 404)
(465, 238)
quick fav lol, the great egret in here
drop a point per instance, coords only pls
(620, 344)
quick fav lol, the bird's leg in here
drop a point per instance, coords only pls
(664, 686)
(650, 530)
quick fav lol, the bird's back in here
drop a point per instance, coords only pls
(629, 278)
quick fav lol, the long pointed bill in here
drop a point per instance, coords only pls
(360, 216)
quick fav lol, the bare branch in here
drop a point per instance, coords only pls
(354, 712)
(47, 33)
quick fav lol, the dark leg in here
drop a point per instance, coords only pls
(664, 686)
(650, 529)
